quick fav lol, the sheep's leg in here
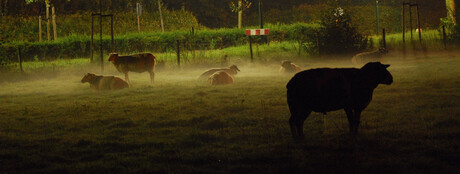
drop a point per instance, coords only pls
(354, 117)
(357, 117)
(126, 77)
(298, 113)
(351, 119)
(297, 120)
(152, 76)
(293, 109)
(302, 117)
(293, 126)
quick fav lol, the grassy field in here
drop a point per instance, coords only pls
(182, 125)
(432, 40)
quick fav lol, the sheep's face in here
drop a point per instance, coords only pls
(286, 64)
(386, 77)
(234, 67)
(88, 77)
(380, 70)
(112, 56)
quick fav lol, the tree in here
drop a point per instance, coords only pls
(242, 5)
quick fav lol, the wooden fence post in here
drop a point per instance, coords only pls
(20, 60)
(92, 38)
(403, 25)
(317, 43)
(250, 48)
(410, 22)
(444, 37)
(404, 29)
(40, 29)
(178, 52)
(111, 32)
(418, 24)
(384, 39)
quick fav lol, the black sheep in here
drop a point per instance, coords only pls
(325, 89)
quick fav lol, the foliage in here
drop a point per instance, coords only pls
(237, 8)
(364, 19)
(452, 30)
(337, 35)
(16, 28)
(79, 46)
(217, 13)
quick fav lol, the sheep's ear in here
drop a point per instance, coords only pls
(386, 66)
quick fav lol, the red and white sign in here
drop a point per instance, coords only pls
(257, 32)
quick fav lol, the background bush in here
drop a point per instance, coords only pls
(337, 35)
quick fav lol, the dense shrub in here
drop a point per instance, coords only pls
(452, 30)
(337, 35)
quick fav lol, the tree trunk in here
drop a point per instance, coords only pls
(48, 21)
(240, 14)
(161, 17)
(452, 9)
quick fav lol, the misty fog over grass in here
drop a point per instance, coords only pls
(182, 125)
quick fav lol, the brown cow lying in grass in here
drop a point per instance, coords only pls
(220, 78)
(232, 70)
(104, 82)
(137, 63)
(364, 57)
(289, 67)
(325, 89)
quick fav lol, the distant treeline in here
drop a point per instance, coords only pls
(26, 28)
(211, 13)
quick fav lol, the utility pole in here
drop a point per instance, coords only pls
(260, 15)
(40, 28)
(410, 21)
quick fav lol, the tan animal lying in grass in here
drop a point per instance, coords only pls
(371, 56)
(289, 67)
(220, 78)
(104, 82)
(137, 63)
(232, 70)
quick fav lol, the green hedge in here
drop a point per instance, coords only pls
(79, 46)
